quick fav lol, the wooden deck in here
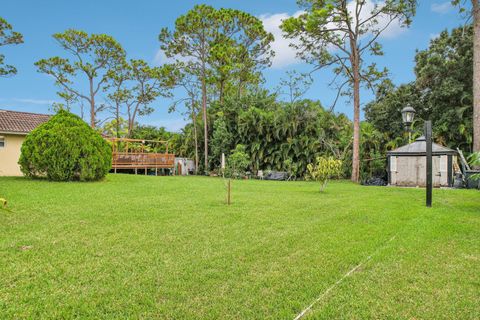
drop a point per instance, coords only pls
(134, 154)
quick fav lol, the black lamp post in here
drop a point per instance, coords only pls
(408, 113)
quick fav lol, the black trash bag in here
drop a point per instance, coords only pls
(276, 175)
(375, 181)
(458, 181)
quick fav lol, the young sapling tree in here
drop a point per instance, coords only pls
(323, 170)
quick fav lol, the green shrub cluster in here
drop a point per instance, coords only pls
(65, 149)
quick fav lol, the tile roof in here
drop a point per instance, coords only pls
(20, 122)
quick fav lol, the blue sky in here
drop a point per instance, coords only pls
(136, 24)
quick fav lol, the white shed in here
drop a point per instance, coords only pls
(184, 166)
(406, 165)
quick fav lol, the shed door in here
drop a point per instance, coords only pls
(443, 171)
(393, 170)
(407, 171)
(420, 171)
(439, 171)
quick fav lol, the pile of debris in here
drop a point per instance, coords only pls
(464, 180)
(276, 175)
(375, 181)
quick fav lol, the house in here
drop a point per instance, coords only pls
(14, 126)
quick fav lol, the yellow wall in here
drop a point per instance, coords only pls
(10, 154)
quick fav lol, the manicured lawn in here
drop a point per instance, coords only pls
(168, 247)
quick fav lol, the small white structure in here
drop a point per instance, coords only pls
(406, 165)
(184, 166)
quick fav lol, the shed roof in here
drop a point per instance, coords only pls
(20, 122)
(418, 147)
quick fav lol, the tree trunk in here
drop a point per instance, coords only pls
(476, 75)
(130, 128)
(92, 104)
(131, 119)
(205, 125)
(356, 131)
(356, 113)
(222, 85)
(195, 135)
(117, 116)
(240, 88)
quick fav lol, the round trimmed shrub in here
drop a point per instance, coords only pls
(65, 148)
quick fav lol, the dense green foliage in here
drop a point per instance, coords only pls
(65, 148)
(169, 248)
(285, 136)
(442, 92)
(276, 134)
(474, 160)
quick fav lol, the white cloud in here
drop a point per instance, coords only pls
(441, 8)
(34, 101)
(284, 54)
(160, 58)
(434, 36)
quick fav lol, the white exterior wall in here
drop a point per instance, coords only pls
(10, 154)
(411, 171)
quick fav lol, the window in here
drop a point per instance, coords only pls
(2, 142)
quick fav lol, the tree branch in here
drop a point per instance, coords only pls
(339, 91)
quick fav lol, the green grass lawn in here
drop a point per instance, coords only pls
(169, 248)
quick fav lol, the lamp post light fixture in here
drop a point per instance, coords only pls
(408, 114)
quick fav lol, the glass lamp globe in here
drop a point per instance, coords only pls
(408, 113)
